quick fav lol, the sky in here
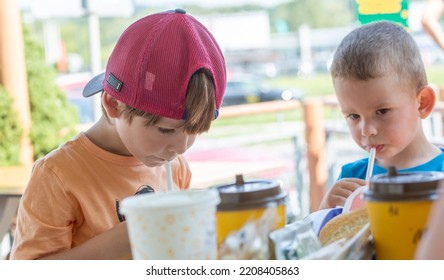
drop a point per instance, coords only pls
(206, 3)
(73, 8)
(212, 3)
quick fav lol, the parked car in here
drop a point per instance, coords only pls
(245, 88)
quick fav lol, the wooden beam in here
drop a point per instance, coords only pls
(13, 71)
(316, 156)
(258, 108)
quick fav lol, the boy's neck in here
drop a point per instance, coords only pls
(104, 135)
(413, 155)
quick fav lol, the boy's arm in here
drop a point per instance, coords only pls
(110, 245)
(433, 11)
(43, 216)
(45, 221)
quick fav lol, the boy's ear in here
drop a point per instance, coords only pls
(110, 105)
(426, 98)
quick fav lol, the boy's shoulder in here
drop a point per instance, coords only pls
(62, 153)
(435, 164)
(355, 169)
(356, 164)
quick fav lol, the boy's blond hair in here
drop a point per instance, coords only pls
(377, 49)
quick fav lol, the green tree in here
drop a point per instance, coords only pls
(53, 118)
(315, 13)
(10, 131)
(291, 14)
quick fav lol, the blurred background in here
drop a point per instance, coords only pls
(277, 54)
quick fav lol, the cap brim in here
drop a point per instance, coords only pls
(95, 85)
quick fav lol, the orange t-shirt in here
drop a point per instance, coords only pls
(71, 195)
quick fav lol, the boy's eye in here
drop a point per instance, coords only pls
(353, 116)
(166, 130)
(382, 111)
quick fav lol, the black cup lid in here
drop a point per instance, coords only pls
(405, 184)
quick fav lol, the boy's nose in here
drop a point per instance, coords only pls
(368, 129)
(180, 144)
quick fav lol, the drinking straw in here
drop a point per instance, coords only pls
(351, 200)
(169, 175)
(371, 163)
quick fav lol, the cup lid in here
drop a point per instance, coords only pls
(171, 200)
(413, 184)
(249, 194)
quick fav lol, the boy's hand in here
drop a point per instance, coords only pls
(339, 192)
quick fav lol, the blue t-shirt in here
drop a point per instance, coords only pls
(358, 169)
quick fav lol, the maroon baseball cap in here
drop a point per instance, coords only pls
(153, 61)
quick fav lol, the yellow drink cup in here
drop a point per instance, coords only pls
(398, 206)
(229, 221)
(243, 202)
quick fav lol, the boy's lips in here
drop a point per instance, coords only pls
(167, 158)
(377, 147)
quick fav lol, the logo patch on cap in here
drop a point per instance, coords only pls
(149, 80)
(114, 82)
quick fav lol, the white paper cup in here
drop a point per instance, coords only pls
(172, 225)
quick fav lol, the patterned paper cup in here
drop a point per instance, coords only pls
(173, 225)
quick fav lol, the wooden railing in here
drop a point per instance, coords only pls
(314, 136)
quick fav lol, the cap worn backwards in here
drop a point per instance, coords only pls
(153, 61)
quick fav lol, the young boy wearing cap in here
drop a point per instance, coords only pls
(163, 85)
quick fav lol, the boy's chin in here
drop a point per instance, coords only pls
(154, 163)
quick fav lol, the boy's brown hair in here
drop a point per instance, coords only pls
(377, 49)
(200, 105)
